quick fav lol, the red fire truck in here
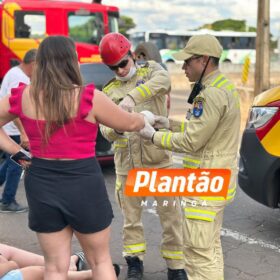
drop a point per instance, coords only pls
(24, 23)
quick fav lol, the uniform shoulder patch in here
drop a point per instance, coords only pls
(198, 106)
(140, 82)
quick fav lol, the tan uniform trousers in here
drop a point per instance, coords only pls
(202, 248)
(171, 220)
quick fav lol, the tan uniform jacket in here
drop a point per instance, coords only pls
(148, 88)
(211, 139)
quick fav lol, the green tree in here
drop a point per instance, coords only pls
(125, 24)
(227, 24)
(234, 25)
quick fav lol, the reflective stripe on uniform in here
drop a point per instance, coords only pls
(217, 80)
(121, 143)
(222, 83)
(144, 90)
(174, 255)
(111, 85)
(183, 127)
(118, 185)
(191, 163)
(135, 248)
(166, 140)
(230, 195)
(142, 71)
(230, 87)
(198, 214)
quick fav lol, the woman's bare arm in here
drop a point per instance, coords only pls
(108, 113)
(6, 143)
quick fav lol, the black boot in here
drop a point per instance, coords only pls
(135, 268)
(177, 274)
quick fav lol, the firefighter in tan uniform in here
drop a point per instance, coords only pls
(210, 140)
(141, 88)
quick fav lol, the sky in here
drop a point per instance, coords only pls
(190, 14)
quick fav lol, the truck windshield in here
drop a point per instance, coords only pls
(87, 28)
(113, 21)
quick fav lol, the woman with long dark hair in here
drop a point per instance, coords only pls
(64, 184)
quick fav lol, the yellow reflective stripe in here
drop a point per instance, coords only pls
(230, 87)
(135, 248)
(194, 210)
(216, 198)
(111, 85)
(194, 217)
(144, 87)
(191, 163)
(141, 91)
(121, 143)
(185, 165)
(232, 190)
(198, 214)
(183, 127)
(142, 71)
(175, 255)
(168, 140)
(217, 80)
(144, 90)
(230, 195)
(222, 83)
(118, 185)
(106, 89)
(163, 139)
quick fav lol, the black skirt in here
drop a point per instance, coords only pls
(67, 192)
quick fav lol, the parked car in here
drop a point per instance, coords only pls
(259, 166)
(99, 74)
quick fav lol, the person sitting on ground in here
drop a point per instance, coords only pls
(25, 265)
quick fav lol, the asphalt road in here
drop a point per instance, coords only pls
(250, 235)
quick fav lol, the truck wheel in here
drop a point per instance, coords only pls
(147, 51)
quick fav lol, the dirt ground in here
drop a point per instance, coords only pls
(180, 82)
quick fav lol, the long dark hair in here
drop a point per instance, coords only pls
(54, 82)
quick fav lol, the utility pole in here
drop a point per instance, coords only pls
(262, 66)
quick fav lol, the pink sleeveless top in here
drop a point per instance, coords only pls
(76, 140)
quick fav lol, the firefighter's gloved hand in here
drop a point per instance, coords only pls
(161, 122)
(150, 117)
(127, 104)
(147, 131)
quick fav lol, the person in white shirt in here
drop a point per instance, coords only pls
(10, 172)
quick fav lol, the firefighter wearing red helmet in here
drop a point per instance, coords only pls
(141, 88)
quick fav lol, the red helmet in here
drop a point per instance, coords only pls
(113, 47)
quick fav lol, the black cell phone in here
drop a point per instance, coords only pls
(21, 156)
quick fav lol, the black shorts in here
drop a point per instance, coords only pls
(68, 192)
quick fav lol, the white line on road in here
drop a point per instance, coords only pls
(235, 235)
(249, 240)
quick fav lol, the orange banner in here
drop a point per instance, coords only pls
(177, 182)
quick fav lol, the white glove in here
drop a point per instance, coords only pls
(127, 104)
(161, 122)
(150, 116)
(147, 131)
